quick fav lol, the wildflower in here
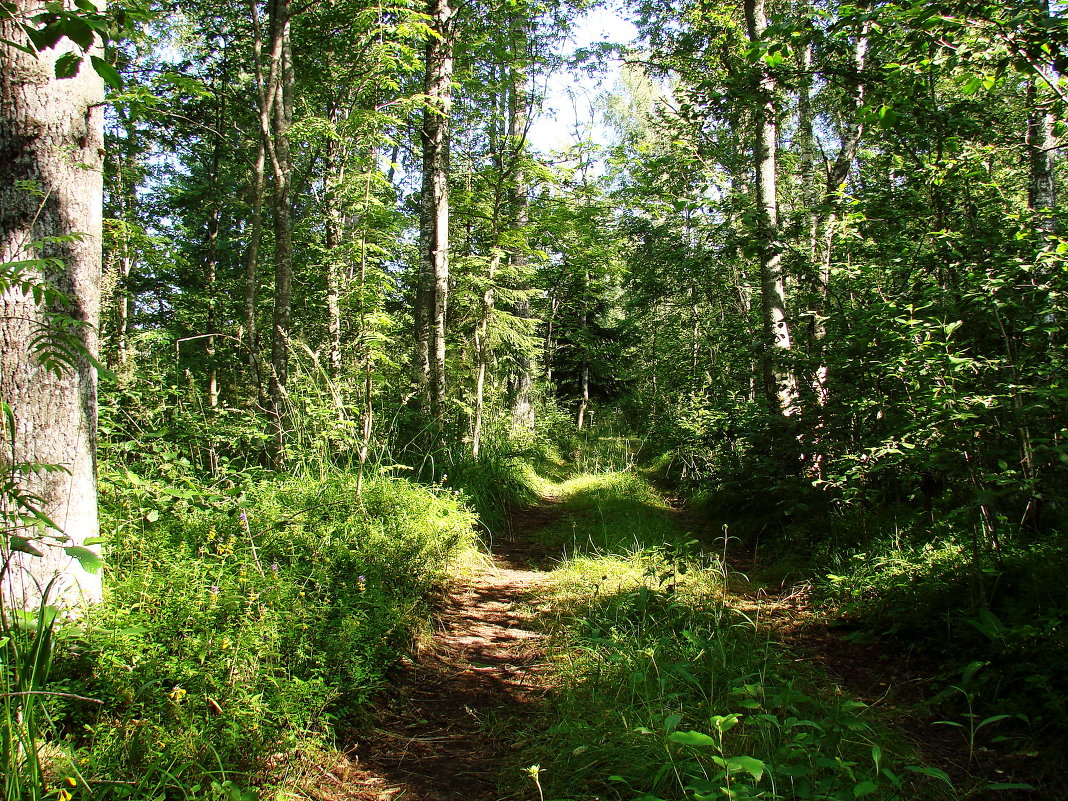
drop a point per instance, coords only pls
(214, 590)
(176, 694)
(225, 644)
(72, 781)
(63, 795)
(361, 583)
(274, 568)
(244, 517)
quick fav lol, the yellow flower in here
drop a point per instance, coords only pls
(64, 795)
(176, 694)
(72, 781)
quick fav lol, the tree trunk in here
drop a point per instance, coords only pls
(1041, 145)
(51, 135)
(281, 112)
(335, 168)
(584, 404)
(483, 352)
(435, 210)
(779, 379)
(252, 256)
(824, 218)
(518, 123)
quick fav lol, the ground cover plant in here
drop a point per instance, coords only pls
(667, 687)
(239, 629)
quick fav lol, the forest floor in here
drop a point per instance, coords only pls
(444, 731)
(434, 737)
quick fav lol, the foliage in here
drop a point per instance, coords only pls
(248, 621)
(668, 690)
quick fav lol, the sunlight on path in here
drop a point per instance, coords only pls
(435, 739)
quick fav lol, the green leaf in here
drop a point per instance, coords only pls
(90, 560)
(23, 545)
(754, 767)
(107, 72)
(934, 773)
(67, 65)
(78, 31)
(152, 516)
(671, 721)
(864, 788)
(694, 739)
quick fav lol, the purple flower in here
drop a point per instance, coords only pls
(274, 567)
(214, 589)
(244, 517)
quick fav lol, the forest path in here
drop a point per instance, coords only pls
(446, 729)
(434, 738)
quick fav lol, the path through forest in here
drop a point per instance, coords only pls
(434, 739)
(444, 732)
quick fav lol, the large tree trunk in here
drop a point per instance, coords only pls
(1041, 146)
(434, 286)
(51, 148)
(779, 379)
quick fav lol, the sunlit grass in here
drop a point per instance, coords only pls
(613, 513)
(666, 689)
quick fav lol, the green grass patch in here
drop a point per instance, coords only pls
(615, 513)
(239, 628)
(494, 486)
(667, 688)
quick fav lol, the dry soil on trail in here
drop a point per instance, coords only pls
(433, 737)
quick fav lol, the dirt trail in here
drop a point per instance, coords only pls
(434, 739)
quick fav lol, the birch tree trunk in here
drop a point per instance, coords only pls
(434, 286)
(51, 148)
(779, 380)
(1041, 147)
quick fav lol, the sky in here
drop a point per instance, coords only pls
(570, 94)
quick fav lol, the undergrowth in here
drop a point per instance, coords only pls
(665, 688)
(239, 627)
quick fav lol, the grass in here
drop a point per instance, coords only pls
(238, 629)
(666, 687)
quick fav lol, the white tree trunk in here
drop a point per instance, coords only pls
(782, 385)
(51, 149)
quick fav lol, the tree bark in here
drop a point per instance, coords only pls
(279, 110)
(434, 285)
(518, 123)
(1041, 145)
(335, 167)
(51, 148)
(779, 379)
(483, 352)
